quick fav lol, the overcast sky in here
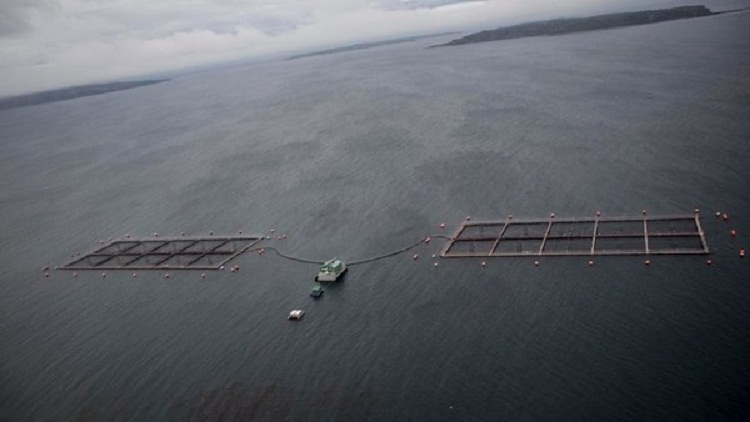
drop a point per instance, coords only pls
(54, 43)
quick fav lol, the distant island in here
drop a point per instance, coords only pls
(44, 97)
(366, 45)
(591, 23)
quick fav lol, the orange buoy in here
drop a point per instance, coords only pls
(733, 233)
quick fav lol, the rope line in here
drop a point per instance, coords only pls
(363, 261)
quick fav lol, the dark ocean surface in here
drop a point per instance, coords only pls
(361, 153)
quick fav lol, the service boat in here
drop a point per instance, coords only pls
(331, 270)
(317, 291)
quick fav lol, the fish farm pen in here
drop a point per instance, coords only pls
(591, 236)
(180, 253)
(643, 235)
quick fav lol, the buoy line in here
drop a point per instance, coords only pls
(363, 261)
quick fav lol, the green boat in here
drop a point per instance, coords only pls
(331, 270)
(317, 291)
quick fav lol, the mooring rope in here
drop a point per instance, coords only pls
(362, 261)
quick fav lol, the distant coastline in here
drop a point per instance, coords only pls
(364, 46)
(591, 23)
(70, 93)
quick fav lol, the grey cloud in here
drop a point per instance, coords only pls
(15, 15)
(417, 4)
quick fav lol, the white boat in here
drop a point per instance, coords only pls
(331, 270)
(296, 314)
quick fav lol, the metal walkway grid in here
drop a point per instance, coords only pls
(645, 235)
(182, 253)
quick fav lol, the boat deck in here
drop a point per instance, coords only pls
(176, 253)
(588, 236)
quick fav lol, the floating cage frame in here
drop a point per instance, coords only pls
(587, 236)
(177, 253)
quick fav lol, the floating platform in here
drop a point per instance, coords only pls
(177, 253)
(643, 235)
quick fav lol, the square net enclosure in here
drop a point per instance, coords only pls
(181, 253)
(644, 235)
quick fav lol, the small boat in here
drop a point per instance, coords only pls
(296, 314)
(331, 270)
(317, 291)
